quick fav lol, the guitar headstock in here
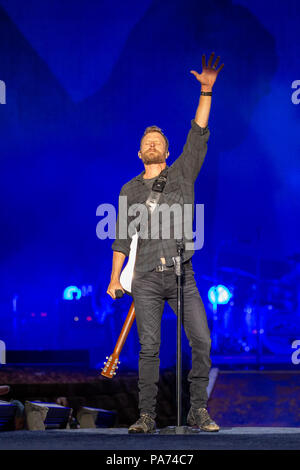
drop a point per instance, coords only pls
(110, 366)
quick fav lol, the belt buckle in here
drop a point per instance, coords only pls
(159, 268)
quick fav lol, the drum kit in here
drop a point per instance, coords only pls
(261, 317)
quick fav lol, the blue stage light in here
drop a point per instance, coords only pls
(72, 292)
(219, 294)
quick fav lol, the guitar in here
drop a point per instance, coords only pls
(111, 365)
(127, 273)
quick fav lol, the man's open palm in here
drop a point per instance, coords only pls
(209, 73)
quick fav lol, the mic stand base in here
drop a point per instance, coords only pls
(179, 430)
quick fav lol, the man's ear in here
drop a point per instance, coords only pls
(139, 154)
(167, 154)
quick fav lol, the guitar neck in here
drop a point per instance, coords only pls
(125, 330)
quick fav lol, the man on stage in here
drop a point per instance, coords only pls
(154, 279)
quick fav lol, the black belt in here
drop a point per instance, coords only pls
(163, 267)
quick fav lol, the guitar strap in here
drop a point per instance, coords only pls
(155, 195)
(157, 188)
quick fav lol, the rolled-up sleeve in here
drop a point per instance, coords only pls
(189, 163)
(122, 244)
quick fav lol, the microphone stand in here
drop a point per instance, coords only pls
(179, 428)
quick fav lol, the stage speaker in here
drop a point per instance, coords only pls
(41, 416)
(7, 416)
(96, 418)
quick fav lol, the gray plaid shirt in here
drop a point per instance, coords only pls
(179, 189)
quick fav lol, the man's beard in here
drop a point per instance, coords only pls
(153, 157)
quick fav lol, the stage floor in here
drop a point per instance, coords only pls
(234, 438)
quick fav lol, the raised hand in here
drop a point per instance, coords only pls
(209, 73)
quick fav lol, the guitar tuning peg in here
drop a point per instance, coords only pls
(104, 362)
(106, 357)
(117, 367)
(119, 362)
(114, 373)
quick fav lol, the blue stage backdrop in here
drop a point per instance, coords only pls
(80, 80)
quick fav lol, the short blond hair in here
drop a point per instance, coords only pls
(155, 129)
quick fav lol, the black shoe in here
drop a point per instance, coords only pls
(200, 417)
(145, 424)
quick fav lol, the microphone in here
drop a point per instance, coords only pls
(180, 246)
(119, 294)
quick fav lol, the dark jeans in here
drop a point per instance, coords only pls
(150, 290)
